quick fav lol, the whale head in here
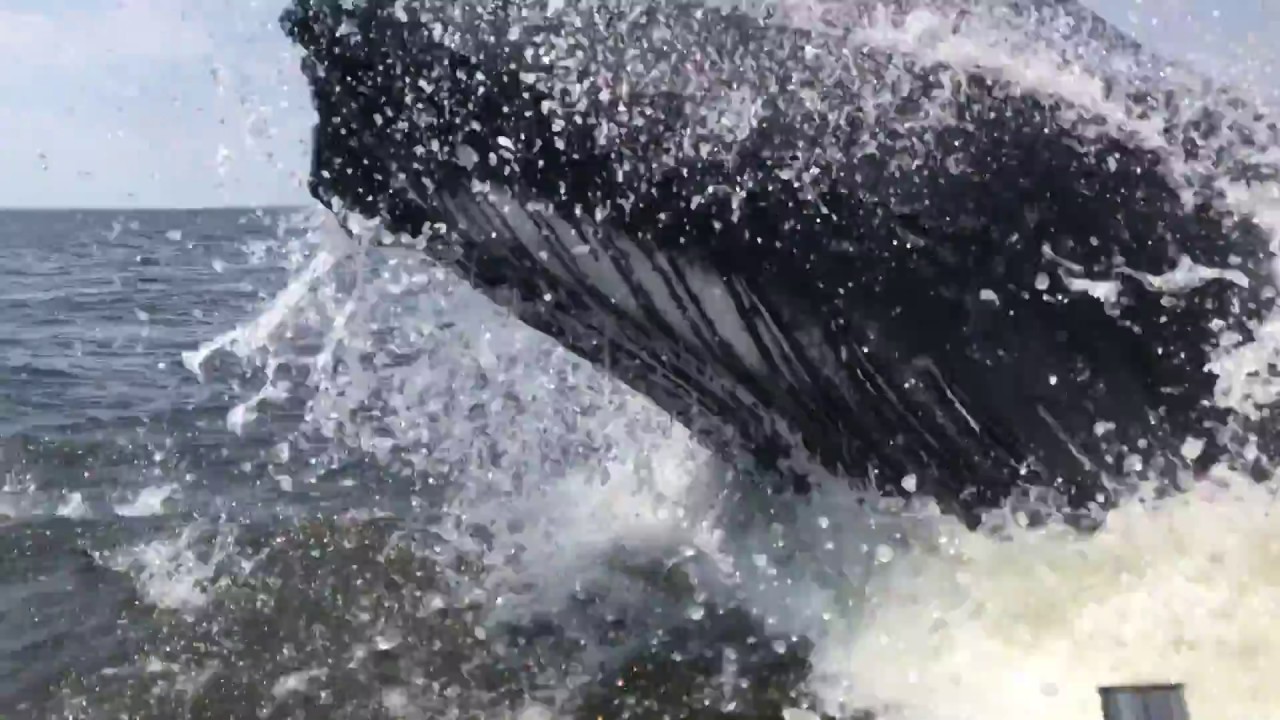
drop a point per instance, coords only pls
(838, 257)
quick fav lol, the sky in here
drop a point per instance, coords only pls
(1235, 38)
(199, 103)
(149, 103)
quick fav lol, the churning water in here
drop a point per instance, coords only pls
(377, 495)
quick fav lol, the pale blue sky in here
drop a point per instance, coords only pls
(155, 103)
(163, 103)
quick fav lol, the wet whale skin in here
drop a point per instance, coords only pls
(871, 290)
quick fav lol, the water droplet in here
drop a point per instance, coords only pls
(1192, 447)
(388, 641)
(535, 712)
(884, 554)
(467, 156)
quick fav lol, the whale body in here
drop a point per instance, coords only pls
(835, 258)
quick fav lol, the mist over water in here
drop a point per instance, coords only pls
(388, 498)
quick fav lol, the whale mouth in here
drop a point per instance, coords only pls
(902, 274)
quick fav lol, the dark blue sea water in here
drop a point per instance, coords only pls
(106, 440)
(156, 563)
(438, 513)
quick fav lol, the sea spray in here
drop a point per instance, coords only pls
(560, 489)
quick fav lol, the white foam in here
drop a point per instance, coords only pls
(73, 507)
(149, 501)
(974, 627)
(176, 573)
(296, 682)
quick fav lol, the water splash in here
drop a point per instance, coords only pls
(178, 573)
(1171, 590)
(558, 483)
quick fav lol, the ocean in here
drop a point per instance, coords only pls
(108, 441)
(168, 554)
(254, 469)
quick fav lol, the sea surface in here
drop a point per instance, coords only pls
(169, 552)
(107, 442)
(254, 468)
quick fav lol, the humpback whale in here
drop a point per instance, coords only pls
(815, 248)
